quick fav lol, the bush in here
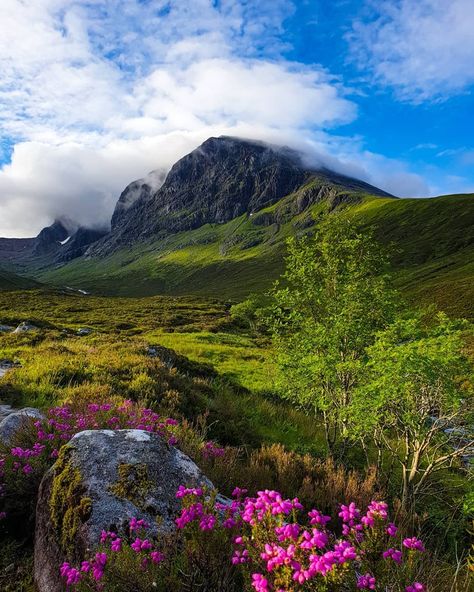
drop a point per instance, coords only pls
(260, 544)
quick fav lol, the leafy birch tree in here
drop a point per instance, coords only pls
(417, 403)
(333, 298)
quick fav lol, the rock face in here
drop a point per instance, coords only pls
(222, 179)
(100, 481)
(14, 420)
(50, 237)
(78, 243)
(143, 189)
(62, 241)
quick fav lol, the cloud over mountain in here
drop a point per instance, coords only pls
(94, 95)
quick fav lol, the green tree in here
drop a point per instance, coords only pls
(334, 296)
(417, 403)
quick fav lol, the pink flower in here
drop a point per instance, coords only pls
(116, 545)
(156, 556)
(394, 554)
(259, 583)
(349, 513)
(207, 522)
(185, 491)
(288, 531)
(413, 543)
(366, 582)
(240, 557)
(316, 517)
(392, 529)
(136, 524)
(415, 587)
(238, 492)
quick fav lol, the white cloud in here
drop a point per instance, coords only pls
(422, 48)
(97, 94)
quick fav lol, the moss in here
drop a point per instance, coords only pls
(69, 508)
(133, 484)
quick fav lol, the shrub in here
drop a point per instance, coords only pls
(261, 544)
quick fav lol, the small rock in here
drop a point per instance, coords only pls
(6, 329)
(10, 425)
(84, 331)
(6, 365)
(101, 480)
(25, 327)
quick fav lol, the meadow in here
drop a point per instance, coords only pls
(189, 358)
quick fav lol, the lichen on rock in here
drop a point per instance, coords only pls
(133, 484)
(69, 507)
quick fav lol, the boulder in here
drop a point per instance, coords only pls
(25, 327)
(84, 331)
(10, 425)
(101, 480)
(6, 365)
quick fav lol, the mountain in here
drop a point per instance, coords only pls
(216, 225)
(219, 181)
(62, 241)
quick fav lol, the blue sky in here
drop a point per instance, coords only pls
(96, 93)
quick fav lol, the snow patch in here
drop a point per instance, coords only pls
(65, 240)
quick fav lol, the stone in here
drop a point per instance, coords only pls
(101, 480)
(13, 421)
(6, 365)
(25, 327)
(84, 331)
(6, 329)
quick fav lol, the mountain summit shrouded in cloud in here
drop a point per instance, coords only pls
(93, 95)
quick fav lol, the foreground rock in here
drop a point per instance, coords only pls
(101, 480)
(13, 421)
(5, 366)
(25, 328)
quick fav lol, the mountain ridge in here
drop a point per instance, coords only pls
(217, 226)
(220, 180)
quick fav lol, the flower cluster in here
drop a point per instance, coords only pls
(94, 571)
(282, 549)
(49, 435)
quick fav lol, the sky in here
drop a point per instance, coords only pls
(97, 93)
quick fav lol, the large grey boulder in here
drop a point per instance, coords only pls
(14, 421)
(101, 480)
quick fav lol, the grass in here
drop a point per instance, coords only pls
(231, 381)
(220, 382)
(11, 281)
(433, 258)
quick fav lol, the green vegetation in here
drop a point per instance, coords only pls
(365, 382)
(69, 507)
(336, 296)
(12, 281)
(434, 259)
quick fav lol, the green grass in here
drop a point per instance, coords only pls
(433, 240)
(58, 365)
(11, 281)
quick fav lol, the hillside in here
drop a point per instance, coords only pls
(434, 256)
(11, 281)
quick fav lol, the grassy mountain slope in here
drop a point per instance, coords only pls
(434, 258)
(11, 281)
